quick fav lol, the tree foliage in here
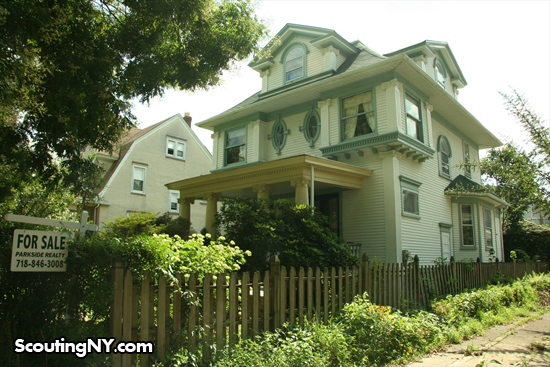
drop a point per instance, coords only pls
(521, 176)
(70, 68)
(299, 235)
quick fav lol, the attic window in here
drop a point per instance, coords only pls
(440, 73)
(294, 64)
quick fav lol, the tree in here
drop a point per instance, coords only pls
(520, 177)
(70, 68)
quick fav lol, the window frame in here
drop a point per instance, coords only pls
(372, 112)
(418, 122)
(273, 136)
(177, 142)
(306, 127)
(144, 181)
(227, 147)
(410, 186)
(463, 225)
(467, 159)
(442, 140)
(285, 61)
(170, 202)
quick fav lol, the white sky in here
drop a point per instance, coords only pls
(497, 44)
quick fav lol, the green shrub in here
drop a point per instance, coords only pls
(299, 235)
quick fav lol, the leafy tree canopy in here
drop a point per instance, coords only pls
(69, 69)
(517, 175)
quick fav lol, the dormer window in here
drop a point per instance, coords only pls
(294, 62)
(440, 73)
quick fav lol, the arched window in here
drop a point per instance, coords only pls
(311, 127)
(295, 62)
(440, 72)
(445, 154)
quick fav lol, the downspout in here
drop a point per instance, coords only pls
(479, 236)
(312, 191)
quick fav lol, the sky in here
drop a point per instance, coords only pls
(498, 45)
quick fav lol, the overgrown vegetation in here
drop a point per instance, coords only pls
(364, 334)
(299, 235)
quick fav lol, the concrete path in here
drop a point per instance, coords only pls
(510, 345)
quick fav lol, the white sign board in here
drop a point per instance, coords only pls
(39, 251)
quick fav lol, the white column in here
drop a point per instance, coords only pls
(265, 77)
(211, 209)
(301, 191)
(185, 207)
(393, 101)
(325, 122)
(216, 138)
(258, 133)
(262, 191)
(429, 132)
(392, 209)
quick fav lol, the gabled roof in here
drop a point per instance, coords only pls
(439, 49)
(134, 136)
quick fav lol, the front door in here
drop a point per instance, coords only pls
(446, 244)
(329, 205)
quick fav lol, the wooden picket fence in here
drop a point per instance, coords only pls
(219, 309)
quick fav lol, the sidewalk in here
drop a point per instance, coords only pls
(510, 345)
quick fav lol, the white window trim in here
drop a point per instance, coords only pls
(176, 141)
(443, 140)
(490, 228)
(472, 213)
(144, 168)
(412, 186)
(170, 193)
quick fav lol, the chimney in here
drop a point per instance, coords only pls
(188, 118)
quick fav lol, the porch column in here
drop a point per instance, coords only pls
(392, 206)
(211, 209)
(185, 207)
(216, 138)
(325, 119)
(262, 191)
(393, 100)
(301, 191)
(258, 147)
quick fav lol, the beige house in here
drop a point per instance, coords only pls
(376, 142)
(146, 159)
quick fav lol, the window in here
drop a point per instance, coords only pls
(414, 121)
(467, 225)
(294, 63)
(488, 219)
(358, 115)
(440, 73)
(409, 197)
(278, 135)
(444, 149)
(467, 161)
(175, 148)
(312, 127)
(174, 196)
(138, 179)
(235, 145)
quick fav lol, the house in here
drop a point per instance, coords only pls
(136, 173)
(379, 143)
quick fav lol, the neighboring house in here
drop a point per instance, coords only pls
(144, 161)
(373, 141)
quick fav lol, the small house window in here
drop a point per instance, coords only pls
(175, 148)
(138, 179)
(311, 128)
(358, 115)
(174, 196)
(467, 161)
(410, 204)
(488, 219)
(278, 135)
(414, 120)
(235, 145)
(440, 73)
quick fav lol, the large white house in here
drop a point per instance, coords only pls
(379, 143)
(136, 172)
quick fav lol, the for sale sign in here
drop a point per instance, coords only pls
(39, 251)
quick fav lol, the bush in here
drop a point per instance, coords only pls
(529, 240)
(299, 235)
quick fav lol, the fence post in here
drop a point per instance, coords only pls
(275, 288)
(365, 275)
(116, 307)
(418, 282)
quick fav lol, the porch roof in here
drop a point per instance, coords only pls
(279, 175)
